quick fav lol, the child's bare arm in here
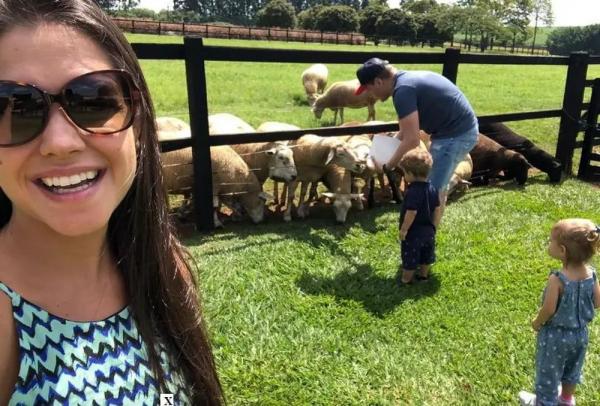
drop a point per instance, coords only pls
(437, 216)
(550, 301)
(409, 218)
(596, 294)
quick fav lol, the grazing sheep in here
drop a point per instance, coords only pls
(273, 160)
(491, 158)
(339, 183)
(232, 180)
(314, 80)
(313, 154)
(340, 95)
(537, 157)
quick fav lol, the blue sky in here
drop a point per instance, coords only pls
(566, 12)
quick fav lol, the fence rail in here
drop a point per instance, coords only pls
(196, 54)
(239, 32)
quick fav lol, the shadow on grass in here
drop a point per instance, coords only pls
(378, 295)
(319, 230)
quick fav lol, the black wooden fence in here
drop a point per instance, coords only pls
(195, 54)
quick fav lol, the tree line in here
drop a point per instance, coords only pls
(480, 23)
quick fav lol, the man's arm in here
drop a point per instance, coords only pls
(409, 134)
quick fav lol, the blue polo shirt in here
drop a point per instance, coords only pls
(444, 111)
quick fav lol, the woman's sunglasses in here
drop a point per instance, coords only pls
(101, 102)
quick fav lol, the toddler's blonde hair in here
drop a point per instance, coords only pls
(580, 237)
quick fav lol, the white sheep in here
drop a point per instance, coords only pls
(313, 155)
(340, 95)
(314, 80)
(273, 160)
(171, 128)
(232, 180)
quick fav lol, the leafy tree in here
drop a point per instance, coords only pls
(419, 6)
(337, 18)
(451, 20)
(542, 12)
(517, 19)
(367, 18)
(563, 41)
(397, 23)
(277, 13)
(113, 5)
(307, 19)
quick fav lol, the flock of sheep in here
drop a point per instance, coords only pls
(341, 163)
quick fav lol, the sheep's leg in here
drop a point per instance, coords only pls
(302, 209)
(312, 194)
(291, 189)
(335, 113)
(284, 191)
(356, 203)
(342, 115)
(371, 115)
(276, 193)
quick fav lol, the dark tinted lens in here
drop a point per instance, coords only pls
(22, 113)
(100, 102)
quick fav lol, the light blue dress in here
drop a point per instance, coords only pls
(562, 341)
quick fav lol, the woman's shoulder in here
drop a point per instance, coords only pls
(9, 354)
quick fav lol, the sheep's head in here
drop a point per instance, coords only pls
(341, 204)
(344, 156)
(517, 168)
(312, 98)
(282, 167)
(317, 109)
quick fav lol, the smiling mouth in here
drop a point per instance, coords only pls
(70, 184)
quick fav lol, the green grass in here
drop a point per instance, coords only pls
(308, 313)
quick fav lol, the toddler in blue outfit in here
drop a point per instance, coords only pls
(568, 304)
(419, 217)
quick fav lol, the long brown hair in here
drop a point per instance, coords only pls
(160, 282)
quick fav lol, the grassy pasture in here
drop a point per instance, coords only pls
(308, 312)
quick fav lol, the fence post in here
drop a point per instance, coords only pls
(159, 28)
(321, 37)
(229, 32)
(450, 69)
(198, 109)
(183, 27)
(268, 34)
(305, 37)
(351, 41)
(337, 38)
(571, 109)
(287, 35)
(592, 120)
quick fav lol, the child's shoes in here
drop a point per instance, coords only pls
(526, 398)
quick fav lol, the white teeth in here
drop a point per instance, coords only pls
(64, 181)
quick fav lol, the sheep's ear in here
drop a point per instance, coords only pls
(271, 151)
(330, 156)
(265, 196)
(464, 182)
(328, 194)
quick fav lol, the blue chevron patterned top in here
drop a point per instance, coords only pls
(104, 362)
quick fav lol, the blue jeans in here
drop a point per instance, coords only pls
(447, 154)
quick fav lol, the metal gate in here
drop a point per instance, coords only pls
(589, 157)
